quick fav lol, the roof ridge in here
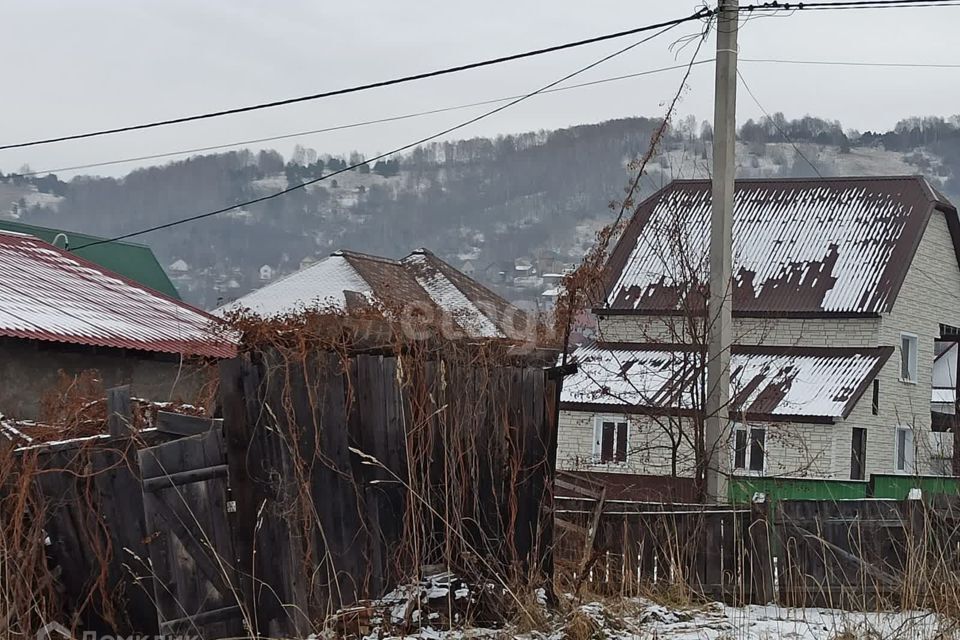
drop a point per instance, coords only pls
(841, 178)
(349, 253)
(67, 232)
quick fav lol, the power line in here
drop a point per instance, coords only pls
(777, 126)
(417, 114)
(353, 125)
(702, 13)
(842, 63)
(847, 5)
(400, 149)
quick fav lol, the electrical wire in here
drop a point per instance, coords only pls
(407, 116)
(700, 14)
(847, 5)
(777, 126)
(353, 125)
(842, 63)
(400, 149)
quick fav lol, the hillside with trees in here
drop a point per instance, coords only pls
(478, 203)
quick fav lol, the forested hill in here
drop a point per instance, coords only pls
(480, 203)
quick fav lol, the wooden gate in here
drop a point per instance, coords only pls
(185, 502)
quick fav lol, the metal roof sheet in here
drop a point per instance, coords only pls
(50, 294)
(765, 382)
(421, 279)
(130, 259)
(811, 246)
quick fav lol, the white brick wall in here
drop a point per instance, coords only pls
(930, 295)
(791, 449)
(807, 332)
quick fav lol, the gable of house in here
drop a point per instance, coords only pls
(131, 260)
(810, 246)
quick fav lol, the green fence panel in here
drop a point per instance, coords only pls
(897, 487)
(742, 489)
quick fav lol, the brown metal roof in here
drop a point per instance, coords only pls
(807, 246)
(801, 384)
(420, 285)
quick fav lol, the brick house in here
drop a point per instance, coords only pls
(845, 293)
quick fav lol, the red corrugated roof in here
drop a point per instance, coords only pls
(50, 294)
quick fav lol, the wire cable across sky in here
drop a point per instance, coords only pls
(699, 15)
(662, 29)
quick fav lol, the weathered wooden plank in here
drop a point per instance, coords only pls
(119, 411)
(185, 477)
(178, 424)
(238, 378)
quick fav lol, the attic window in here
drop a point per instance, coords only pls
(908, 357)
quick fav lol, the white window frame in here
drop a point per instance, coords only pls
(912, 361)
(598, 439)
(747, 429)
(910, 456)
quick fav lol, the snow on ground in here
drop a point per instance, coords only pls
(38, 199)
(643, 620)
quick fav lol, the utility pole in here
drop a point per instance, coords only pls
(719, 305)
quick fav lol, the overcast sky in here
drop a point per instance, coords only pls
(77, 66)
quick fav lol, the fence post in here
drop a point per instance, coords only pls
(761, 558)
(119, 413)
(234, 380)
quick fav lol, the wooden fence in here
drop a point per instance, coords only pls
(715, 552)
(831, 553)
(329, 479)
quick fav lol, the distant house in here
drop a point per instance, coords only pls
(60, 312)
(179, 266)
(420, 283)
(129, 259)
(467, 268)
(846, 304)
(266, 273)
(499, 272)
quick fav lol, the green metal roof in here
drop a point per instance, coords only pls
(129, 259)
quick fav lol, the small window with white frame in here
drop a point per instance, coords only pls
(610, 440)
(904, 450)
(908, 357)
(749, 449)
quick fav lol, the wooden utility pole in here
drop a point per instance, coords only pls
(719, 317)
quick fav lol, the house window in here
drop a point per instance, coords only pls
(908, 357)
(858, 453)
(904, 450)
(610, 440)
(749, 448)
(875, 406)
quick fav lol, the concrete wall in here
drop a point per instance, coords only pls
(29, 370)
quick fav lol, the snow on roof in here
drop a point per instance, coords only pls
(419, 279)
(319, 285)
(811, 245)
(49, 294)
(765, 382)
(447, 296)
